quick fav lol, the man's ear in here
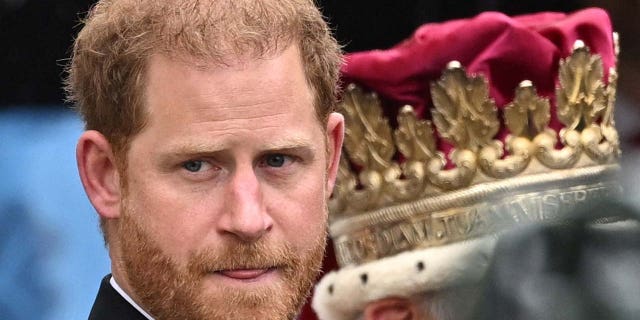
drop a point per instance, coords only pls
(335, 136)
(99, 173)
(392, 309)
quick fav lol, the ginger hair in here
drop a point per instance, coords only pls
(106, 76)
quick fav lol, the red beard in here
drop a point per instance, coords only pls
(169, 291)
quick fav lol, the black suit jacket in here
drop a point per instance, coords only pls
(110, 305)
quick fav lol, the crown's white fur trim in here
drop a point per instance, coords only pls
(342, 294)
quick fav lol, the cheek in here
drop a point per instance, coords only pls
(301, 213)
(174, 221)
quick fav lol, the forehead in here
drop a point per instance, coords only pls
(275, 76)
(242, 95)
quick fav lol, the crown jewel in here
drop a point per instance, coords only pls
(407, 192)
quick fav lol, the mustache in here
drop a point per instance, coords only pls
(237, 256)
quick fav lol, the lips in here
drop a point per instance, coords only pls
(245, 274)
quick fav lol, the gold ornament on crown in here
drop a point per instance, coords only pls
(465, 116)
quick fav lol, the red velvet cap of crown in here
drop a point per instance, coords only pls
(505, 50)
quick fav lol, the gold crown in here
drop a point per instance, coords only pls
(405, 195)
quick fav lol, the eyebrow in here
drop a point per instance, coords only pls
(303, 146)
(290, 143)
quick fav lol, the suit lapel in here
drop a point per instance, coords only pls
(110, 305)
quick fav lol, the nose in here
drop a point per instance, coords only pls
(245, 216)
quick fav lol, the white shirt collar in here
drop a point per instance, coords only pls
(115, 285)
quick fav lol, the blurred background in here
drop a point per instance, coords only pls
(52, 256)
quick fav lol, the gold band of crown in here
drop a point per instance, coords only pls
(390, 207)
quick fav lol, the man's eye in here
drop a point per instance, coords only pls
(275, 160)
(193, 165)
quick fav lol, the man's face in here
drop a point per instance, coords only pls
(224, 214)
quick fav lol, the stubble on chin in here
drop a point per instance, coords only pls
(169, 291)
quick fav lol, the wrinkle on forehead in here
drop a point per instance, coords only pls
(254, 110)
(235, 91)
(245, 106)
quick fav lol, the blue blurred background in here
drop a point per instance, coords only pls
(52, 256)
(50, 247)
